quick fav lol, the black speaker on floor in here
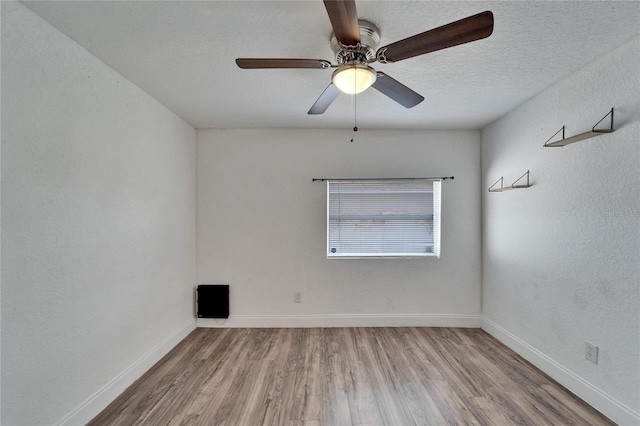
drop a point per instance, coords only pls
(213, 301)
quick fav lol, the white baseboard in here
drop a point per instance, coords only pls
(97, 402)
(600, 400)
(343, 320)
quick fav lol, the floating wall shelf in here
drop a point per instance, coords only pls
(515, 184)
(586, 135)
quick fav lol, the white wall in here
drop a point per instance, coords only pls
(561, 259)
(262, 227)
(98, 227)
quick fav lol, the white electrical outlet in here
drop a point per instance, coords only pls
(591, 352)
(297, 297)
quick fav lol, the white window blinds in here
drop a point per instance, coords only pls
(383, 218)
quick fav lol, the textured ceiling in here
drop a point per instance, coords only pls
(182, 53)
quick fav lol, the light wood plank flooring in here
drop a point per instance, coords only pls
(345, 376)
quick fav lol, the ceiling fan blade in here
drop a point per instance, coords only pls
(344, 20)
(256, 63)
(396, 91)
(469, 29)
(323, 102)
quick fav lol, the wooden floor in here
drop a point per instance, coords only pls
(345, 376)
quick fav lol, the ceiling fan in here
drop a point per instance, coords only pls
(354, 43)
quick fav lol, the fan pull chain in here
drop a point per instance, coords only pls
(355, 124)
(355, 105)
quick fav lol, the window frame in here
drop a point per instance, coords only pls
(435, 221)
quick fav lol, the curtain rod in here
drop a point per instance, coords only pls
(354, 179)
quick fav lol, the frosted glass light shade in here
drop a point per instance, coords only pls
(353, 78)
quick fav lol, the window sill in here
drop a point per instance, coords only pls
(388, 256)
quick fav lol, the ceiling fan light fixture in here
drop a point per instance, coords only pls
(353, 78)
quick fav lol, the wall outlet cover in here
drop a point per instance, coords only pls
(591, 352)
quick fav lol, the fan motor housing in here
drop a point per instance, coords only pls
(366, 49)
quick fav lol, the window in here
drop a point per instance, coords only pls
(383, 218)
